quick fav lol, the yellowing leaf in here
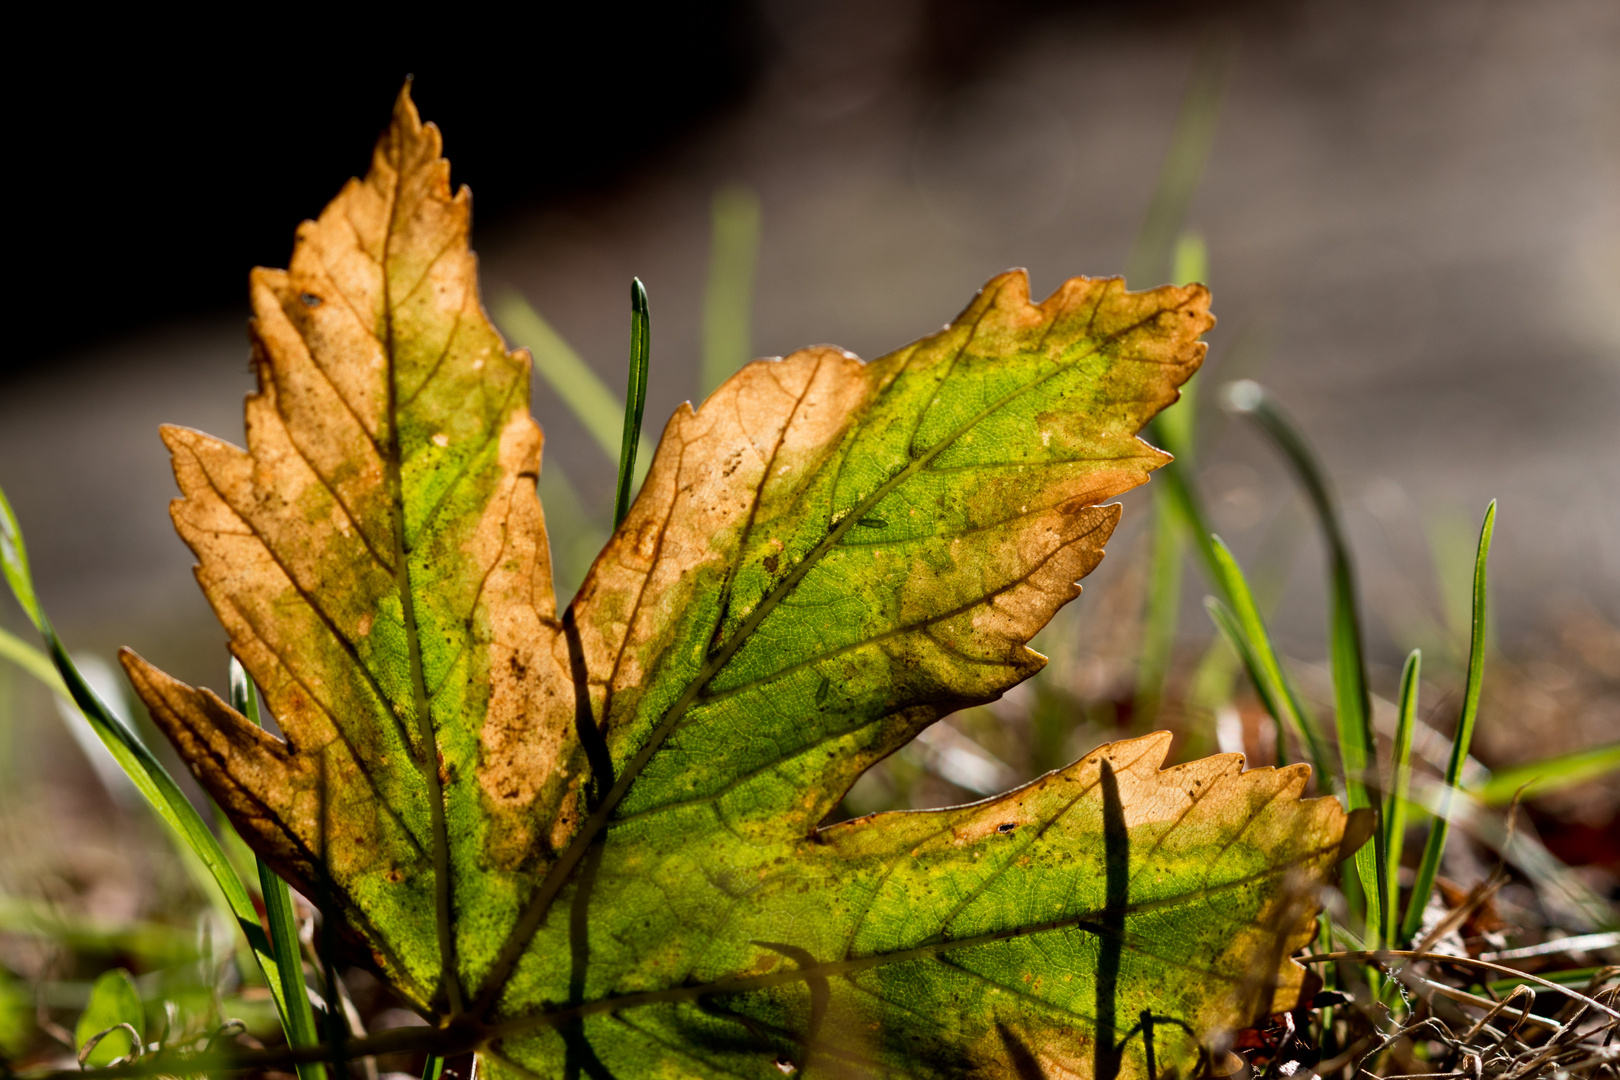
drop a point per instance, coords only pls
(379, 559)
(593, 842)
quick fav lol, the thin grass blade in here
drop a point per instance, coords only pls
(1183, 167)
(33, 661)
(635, 398)
(1271, 681)
(1575, 904)
(298, 1018)
(1170, 526)
(728, 299)
(1155, 253)
(1358, 752)
(148, 774)
(1163, 612)
(1435, 846)
(1178, 424)
(1395, 800)
(1162, 248)
(1215, 679)
(1548, 775)
(1173, 483)
(1227, 623)
(568, 375)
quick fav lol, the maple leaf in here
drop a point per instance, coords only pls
(593, 840)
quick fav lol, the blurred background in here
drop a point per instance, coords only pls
(1408, 212)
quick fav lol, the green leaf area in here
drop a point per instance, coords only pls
(113, 1021)
(1108, 916)
(591, 842)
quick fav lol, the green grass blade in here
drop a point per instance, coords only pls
(151, 779)
(1191, 260)
(243, 861)
(1271, 681)
(728, 299)
(1548, 775)
(31, 660)
(1163, 610)
(1178, 423)
(1227, 623)
(298, 1018)
(1176, 426)
(14, 563)
(635, 398)
(1191, 508)
(1579, 907)
(1435, 846)
(1179, 512)
(434, 1068)
(1183, 168)
(1358, 752)
(569, 376)
(1395, 801)
(1501, 988)
(1452, 535)
(1215, 679)
(1156, 253)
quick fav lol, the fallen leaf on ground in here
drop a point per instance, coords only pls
(595, 837)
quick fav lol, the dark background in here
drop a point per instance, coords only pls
(158, 159)
(167, 155)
